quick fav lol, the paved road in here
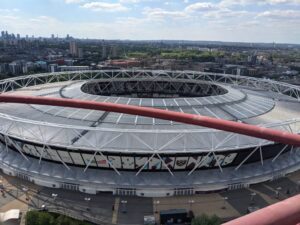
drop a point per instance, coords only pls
(241, 199)
(100, 206)
(135, 209)
(286, 185)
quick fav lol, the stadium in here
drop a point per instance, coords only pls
(70, 142)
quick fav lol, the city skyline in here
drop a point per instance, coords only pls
(216, 20)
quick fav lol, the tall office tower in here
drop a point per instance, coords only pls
(80, 53)
(18, 36)
(73, 48)
(52, 36)
(114, 51)
(104, 50)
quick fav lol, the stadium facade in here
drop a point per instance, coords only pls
(100, 151)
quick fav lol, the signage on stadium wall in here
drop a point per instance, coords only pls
(134, 161)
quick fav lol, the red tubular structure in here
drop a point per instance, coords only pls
(220, 124)
(286, 212)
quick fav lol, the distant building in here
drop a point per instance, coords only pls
(24, 69)
(73, 48)
(114, 51)
(27, 67)
(104, 52)
(15, 68)
(80, 53)
(53, 68)
(123, 63)
(252, 72)
(69, 62)
(73, 68)
(41, 64)
(252, 59)
(4, 68)
(241, 71)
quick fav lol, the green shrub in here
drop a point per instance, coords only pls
(46, 218)
(206, 220)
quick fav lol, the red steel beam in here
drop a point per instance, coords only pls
(286, 212)
(198, 120)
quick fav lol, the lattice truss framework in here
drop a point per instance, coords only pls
(39, 131)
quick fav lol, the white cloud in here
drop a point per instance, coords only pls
(104, 6)
(9, 10)
(281, 14)
(130, 1)
(73, 1)
(274, 2)
(159, 13)
(216, 20)
(257, 2)
(226, 13)
(202, 6)
(44, 19)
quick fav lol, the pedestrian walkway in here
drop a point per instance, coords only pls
(115, 211)
(21, 203)
(267, 198)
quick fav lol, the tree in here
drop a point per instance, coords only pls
(39, 218)
(46, 218)
(206, 220)
(31, 218)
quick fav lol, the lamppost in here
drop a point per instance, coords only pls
(25, 189)
(124, 202)
(87, 199)
(191, 202)
(156, 203)
(278, 189)
(54, 195)
(224, 202)
(253, 194)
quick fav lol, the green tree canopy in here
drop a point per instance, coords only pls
(46, 218)
(206, 220)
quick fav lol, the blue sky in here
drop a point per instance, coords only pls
(218, 20)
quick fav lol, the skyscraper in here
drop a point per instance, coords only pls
(73, 48)
(104, 50)
(114, 51)
(80, 53)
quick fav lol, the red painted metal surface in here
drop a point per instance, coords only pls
(220, 124)
(286, 212)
